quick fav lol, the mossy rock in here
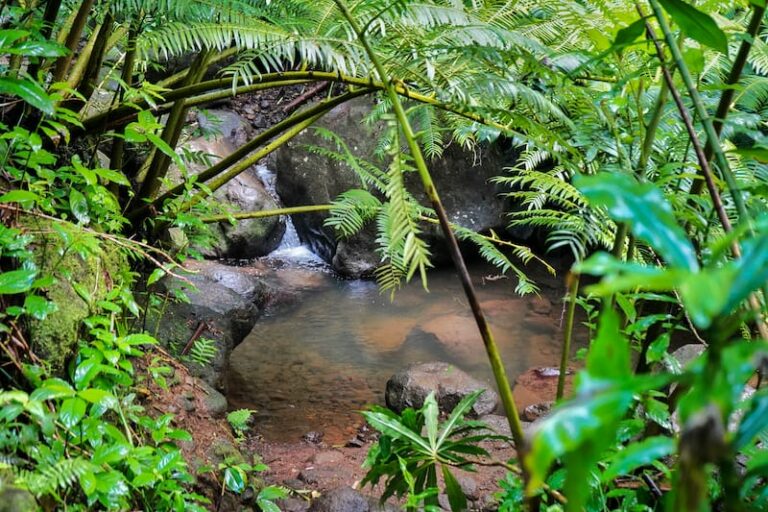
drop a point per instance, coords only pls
(93, 271)
(13, 499)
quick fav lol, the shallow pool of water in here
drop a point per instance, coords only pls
(315, 359)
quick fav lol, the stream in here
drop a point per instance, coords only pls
(326, 349)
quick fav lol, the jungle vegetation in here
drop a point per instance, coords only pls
(641, 128)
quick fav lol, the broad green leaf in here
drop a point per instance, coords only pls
(38, 307)
(703, 294)
(29, 91)
(9, 36)
(88, 483)
(456, 497)
(78, 204)
(39, 49)
(609, 355)
(629, 34)
(643, 207)
(758, 153)
(51, 389)
(638, 455)
(16, 281)
(754, 421)
(569, 426)
(99, 397)
(657, 348)
(110, 453)
(72, 411)
(235, 479)
(23, 197)
(155, 276)
(697, 25)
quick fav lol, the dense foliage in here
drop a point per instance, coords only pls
(643, 147)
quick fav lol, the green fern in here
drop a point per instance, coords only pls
(351, 210)
(203, 351)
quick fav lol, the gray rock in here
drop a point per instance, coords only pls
(303, 177)
(292, 505)
(684, 355)
(215, 402)
(346, 499)
(247, 238)
(225, 313)
(229, 125)
(410, 386)
(536, 411)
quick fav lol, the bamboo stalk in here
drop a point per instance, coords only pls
(72, 39)
(268, 213)
(247, 148)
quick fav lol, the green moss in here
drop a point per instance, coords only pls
(55, 338)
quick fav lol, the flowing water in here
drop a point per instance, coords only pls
(327, 349)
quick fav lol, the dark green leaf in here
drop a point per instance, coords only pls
(629, 34)
(29, 91)
(16, 281)
(637, 455)
(235, 479)
(456, 497)
(609, 356)
(657, 349)
(697, 25)
(38, 307)
(71, 412)
(643, 207)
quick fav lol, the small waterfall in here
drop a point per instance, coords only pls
(290, 249)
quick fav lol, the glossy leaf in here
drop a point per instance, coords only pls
(51, 389)
(23, 197)
(78, 204)
(235, 479)
(38, 307)
(609, 356)
(99, 397)
(697, 25)
(638, 455)
(16, 281)
(72, 411)
(568, 427)
(29, 91)
(643, 207)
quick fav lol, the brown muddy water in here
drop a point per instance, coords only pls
(312, 362)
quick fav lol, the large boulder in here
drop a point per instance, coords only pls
(305, 177)
(411, 386)
(218, 302)
(246, 192)
(55, 338)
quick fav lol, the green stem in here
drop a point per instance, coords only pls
(126, 76)
(573, 289)
(125, 113)
(181, 75)
(499, 372)
(72, 40)
(159, 162)
(268, 213)
(704, 117)
(726, 99)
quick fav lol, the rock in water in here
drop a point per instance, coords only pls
(346, 499)
(409, 388)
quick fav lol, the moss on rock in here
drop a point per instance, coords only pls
(74, 263)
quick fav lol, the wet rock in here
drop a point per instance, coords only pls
(214, 310)
(536, 411)
(292, 505)
(248, 238)
(346, 499)
(225, 123)
(308, 178)
(684, 355)
(214, 402)
(410, 386)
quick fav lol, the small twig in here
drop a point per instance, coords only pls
(652, 486)
(200, 328)
(303, 98)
